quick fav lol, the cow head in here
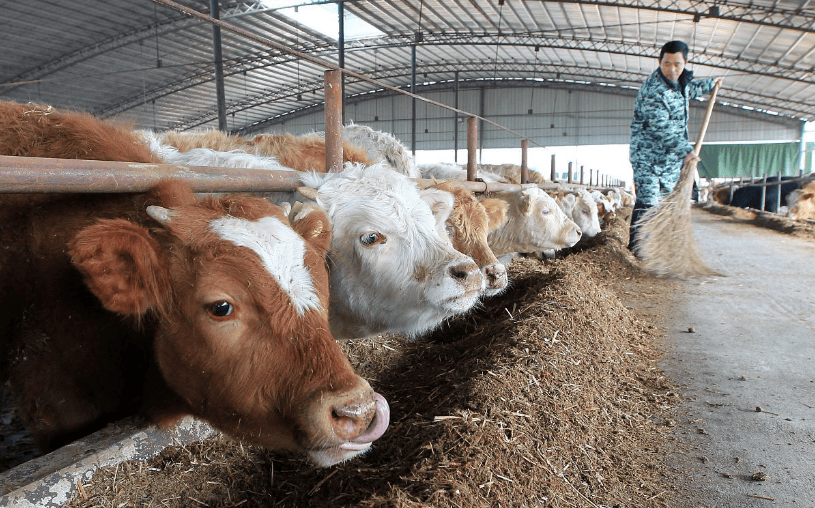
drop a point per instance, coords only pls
(804, 206)
(534, 222)
(241, 303)
(391, 269)
(581, 207)
(469, 224)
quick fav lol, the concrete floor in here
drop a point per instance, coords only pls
(747, 372)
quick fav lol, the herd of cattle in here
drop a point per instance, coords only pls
(229, 307)
(797, 199)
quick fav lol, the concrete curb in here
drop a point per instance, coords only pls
(51, 480)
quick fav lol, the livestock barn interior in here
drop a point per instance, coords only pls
(553, 393)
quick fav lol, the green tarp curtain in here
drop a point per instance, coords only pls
(723, 161)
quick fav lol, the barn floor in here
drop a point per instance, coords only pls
(746, 373)
(580, 386)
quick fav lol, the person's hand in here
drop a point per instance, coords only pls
(718, 81)
(691, 157)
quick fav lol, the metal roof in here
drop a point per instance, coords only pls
(150, 64)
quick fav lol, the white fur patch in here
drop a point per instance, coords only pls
(281, 250)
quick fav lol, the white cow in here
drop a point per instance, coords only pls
(391, 270)
(579, 205)
(381, 146)
(535, 222)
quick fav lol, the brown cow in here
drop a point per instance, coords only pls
(172, 305)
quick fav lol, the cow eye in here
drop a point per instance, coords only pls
(220, 309)
(586, 211)
(545, 210)
(372, 238)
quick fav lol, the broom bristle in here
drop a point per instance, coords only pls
(665, 235)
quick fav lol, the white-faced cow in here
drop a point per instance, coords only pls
(391, 269)
(579, 205)
(535, 222)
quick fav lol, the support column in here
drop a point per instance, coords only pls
(219, 66)
(333, 120)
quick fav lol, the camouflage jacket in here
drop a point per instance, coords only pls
(660, 124)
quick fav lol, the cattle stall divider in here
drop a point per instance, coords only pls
(765, 182)
(46, 175)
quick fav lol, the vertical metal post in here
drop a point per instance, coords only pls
(333, 120)
(455, 123)
(481, 129)
(524, 161)
(219, 66)
(341, 51)
(778, 197)
(569, 176)
(763, 191)
(412, 99)
(582, 174)
(553, 175)
(472, 146)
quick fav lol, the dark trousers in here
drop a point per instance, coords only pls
(639, 209)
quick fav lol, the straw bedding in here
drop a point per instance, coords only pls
(548, 395)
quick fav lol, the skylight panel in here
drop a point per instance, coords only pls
(323, 18)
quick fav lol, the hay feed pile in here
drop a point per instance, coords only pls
(548, 395)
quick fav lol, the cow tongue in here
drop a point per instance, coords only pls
(378, 425)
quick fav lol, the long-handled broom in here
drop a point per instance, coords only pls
(665, 235)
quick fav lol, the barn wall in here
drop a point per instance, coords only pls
(560, 115)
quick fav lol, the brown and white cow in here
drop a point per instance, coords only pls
(802, 204)
(391, 268)
(535, 222)
(468, 226)
(215, 308)
(169, 304)
(303, 153)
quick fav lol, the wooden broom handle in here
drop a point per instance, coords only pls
(709, 110)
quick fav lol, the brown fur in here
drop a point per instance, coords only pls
(720, 195)
(33, 130)
(471, 221)
(303, 153)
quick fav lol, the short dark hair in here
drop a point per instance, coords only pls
(674, 47)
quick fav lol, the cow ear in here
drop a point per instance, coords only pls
(308, 192)
(121, 264)
(807, 196)
(525, 202)
(311, 223)
(496, 212)
(440, 203)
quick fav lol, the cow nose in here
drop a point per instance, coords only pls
(351, 419)
(496, 275)
(464, 272)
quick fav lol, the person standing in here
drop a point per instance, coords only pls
(659, 131)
